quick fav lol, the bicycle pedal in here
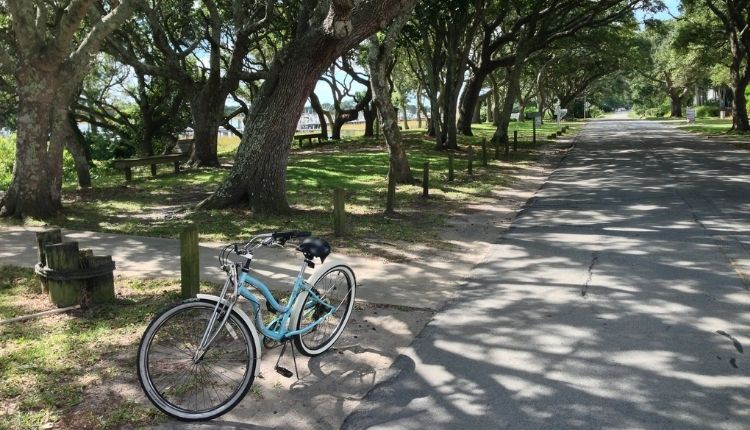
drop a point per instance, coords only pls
(284, 372)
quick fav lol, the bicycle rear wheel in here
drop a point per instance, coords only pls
(190, 388)
(337, 288)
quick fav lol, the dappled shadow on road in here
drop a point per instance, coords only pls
(332, 384)
(614, 301)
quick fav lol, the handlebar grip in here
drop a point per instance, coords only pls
(286, 235)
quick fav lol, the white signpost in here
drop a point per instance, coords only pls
(560, 114)
(690, 114)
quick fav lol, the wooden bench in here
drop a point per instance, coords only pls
(127, 163)
(309, 137)
(180, 154)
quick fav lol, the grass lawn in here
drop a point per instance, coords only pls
(162, 205)
(714, 127)
(75, 370)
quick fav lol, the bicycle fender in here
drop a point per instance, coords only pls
(246, 319)
(319, 271)
(323, 268)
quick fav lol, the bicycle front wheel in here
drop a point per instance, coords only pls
(190, 387)
(335, 288)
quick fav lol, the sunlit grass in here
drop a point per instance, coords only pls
(53, 369)
(714, 127)
(162, 205)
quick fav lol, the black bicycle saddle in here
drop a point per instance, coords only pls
(315, 247)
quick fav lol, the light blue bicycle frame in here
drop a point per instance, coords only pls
(281, 321)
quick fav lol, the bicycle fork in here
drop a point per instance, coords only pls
(222, 310)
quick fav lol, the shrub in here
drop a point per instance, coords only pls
(7, 156)
(706, 111)
(107, 146)
(595, 112)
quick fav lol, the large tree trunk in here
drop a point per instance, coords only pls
(470, 101)
(370, 113)
(490, 106)
(676, 102)
(512, 85)
(338, 122)
(380, 55)
(64, 134)
(419, 105)
(207, 114)
(31, 189)
(739, 110)
(47, 70)
(435, 129)
(316, 106)
(740, 79)
(404, 113)
(495, 101)
(259, 173)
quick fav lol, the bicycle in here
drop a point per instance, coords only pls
(198, 359)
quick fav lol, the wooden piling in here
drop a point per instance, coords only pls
(470, 164)
(64, 257)
(339, 212)
(515, 140)
(426, 180)
(44, 238)
(391, 195)
(101, 289)
(484, 152)
(451, 174)
(189, 262)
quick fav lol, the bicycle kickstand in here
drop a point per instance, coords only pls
(283, 371)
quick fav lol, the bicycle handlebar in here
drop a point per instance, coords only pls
(264, 239)
(286, 235)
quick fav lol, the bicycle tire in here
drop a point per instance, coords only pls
(331, 289)
(172, 396)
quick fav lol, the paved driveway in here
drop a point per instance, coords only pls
(619, 299)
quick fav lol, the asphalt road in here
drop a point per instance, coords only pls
(618, 299)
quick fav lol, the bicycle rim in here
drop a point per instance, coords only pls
(190, 389)
(335, 288)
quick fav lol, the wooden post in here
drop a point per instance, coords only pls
(128, 174)
(177, 167)
(426, 180)
(515, 140)
(339, 212)
(44, 238)
(484, 152)
(391, 196)
(153, 170)
(64, 257)
(189, 262)
(533, 138)
(451, 175)
(469, 166)
(100, 289)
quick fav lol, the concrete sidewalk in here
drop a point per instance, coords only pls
(420, 284)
